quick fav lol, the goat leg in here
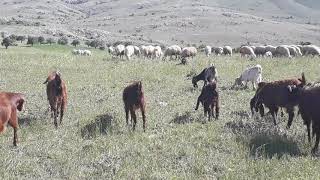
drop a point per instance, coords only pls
(315, 148)
(274, 116)
(198, 102)
(291, 115)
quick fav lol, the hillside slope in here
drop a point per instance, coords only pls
(202, 21)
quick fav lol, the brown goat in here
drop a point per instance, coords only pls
(308, 100)
(275, 95)
(209, 98)
(57, 95)
(9, 104)
(133, 99)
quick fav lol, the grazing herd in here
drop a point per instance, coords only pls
(81, 52)
(283, 94)
(248, 51)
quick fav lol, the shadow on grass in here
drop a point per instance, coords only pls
(238, 88)
(272, 146)
(191, 89)
(184, 118)
(101, 125)
(241, 114)
(264, 139)
(26, 121)
(225, 88)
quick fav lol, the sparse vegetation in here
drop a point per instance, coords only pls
(94, 141)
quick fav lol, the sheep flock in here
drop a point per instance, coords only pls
(183, 53)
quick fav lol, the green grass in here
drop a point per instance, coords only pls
(95, 143)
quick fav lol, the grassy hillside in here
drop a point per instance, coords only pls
(94, 142)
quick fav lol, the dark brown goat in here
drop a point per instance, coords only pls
(133, 99)
(275, 95)
(308, 100)
(9, 104)
(209, 98)
(57, 96)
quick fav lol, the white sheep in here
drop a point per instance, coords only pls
(311, 50)
(173, 50)
(299, 53)
(283, 51)
(147, 51)
(270, 48)
(137, 51)
(208, 50)
(87, 52)
(268, 54)
(227, 50)
(260, 50)
(247, 51)
(188, 52)
(253, 48)
(129, 51)
(293, 51)
(251, 74)
(119, 49)
(81, 52)
(75, 52)
(218, 51)
(157, 52)
(111, 50)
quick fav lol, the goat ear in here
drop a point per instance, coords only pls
(58, 73)
(139, 85)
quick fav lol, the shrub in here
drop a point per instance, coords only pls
(32, 40)
(75, 42)
(21, 38)
(13, 37)
(41, 39)
(51, 41)
(63, 41)
(7, 42)
(96, 43)
(87, 43)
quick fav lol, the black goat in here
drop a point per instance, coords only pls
(207, 75)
